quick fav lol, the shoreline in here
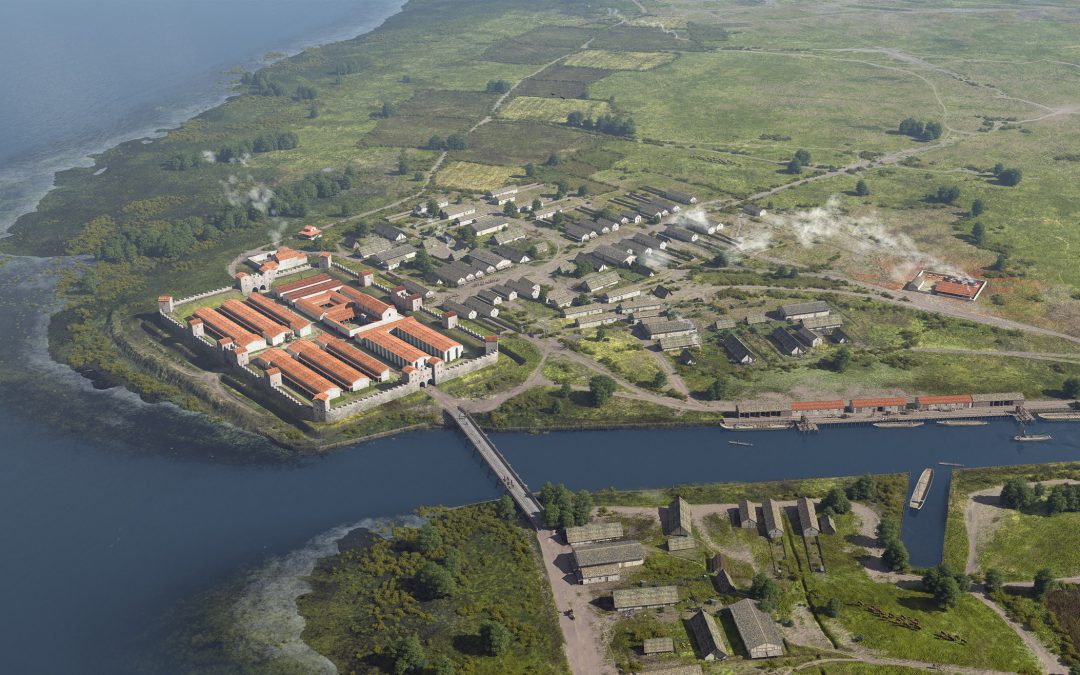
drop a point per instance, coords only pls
(31, 176)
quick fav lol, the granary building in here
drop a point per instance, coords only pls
(707, 636)
(616, 554)
(628, 599)
(747, 514)
(757, 630)
(774, 523)
(808, 519)
(592, 533)
(804, 310)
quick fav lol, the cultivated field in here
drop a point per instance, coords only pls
(551, 109)
(470, 176)
(598, 58)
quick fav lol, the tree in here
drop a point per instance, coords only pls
(803, 156)
(833, 607)
(945, 584)
(659, 380)
(895, 555)
(442, 665)
(497, 87)
(1071, 387)
(998, 168)
(433, 209)
(720, 260)
(977, 207)
(409, 655)
(932, 131)
(558, 406)
(506, 508)
(864, 487)
(945, 194)
(435, 581)
(495, 638)
(436, 143)
(428, 539)
(836, 500)
(456, 142)
(558, 505)
(552, 160)
(1044, 581)
(912, 127)
(978, 234)
(1017, 494)
(993, 579)
(581, 268)
(1010, 177)
(582, 190)
(794, 167)
(716, 390)
(575, 119)
(537, 205)
(530, 170)
(565, 390)
(765, 589)
(305, 93)
(583, 505)
(602, 388)
(453, 561)
(510, 209)
(861, 188)
(841, 360)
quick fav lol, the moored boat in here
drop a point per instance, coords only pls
(1025, 437)
(962, 423)
(740, 442)
(898, 425)
(1060, 416)
(922, 488)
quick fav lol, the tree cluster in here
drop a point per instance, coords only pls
(262, 85)
(895, 555)
(285, 140)
(1006, 176)
(602, 389)
(946, 194)
(1063, 498)
(1017, 494)
(836, 501)
(615, 125)
(923, 131)
(766, 590)
(863, 489)
(306, 93)
(295, 200)
(563, 508)
(160, 239)
(451, 142)
(945, 584)
(182, 162)
(497, 87)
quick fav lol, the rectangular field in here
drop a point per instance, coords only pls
(599, 58)
(470, 176)
(551, 109)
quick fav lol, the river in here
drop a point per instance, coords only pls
(115, 512)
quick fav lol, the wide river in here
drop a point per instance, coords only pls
(115, 512)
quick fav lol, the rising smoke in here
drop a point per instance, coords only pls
(247, 192)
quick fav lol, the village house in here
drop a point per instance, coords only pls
(482, 308)
(580, 232)
(839, 337)
(372, 245)
(502, 195)
(737, 351)
(620, 295)
(824, 323)
(489, 259)
(505, 292)
(525, 287)
(655, 330)
(511, 234)
(1000, 400)
(489, 296)
(774, 523)
(881, 404)
(747, 514)
(680, 543)
(309, 232)
(754, 211)
(785, 343)
(421, 209)
(804, 310)
(618, 554)
(681, 197)
(463, 214)
(679, 518)
(560, 297)
(958, 402)
(643, 302)
(828, 525)
(653, 243)
(393, 258)
(461, 310)
(582, 310)
(676, 233)
(488, 224)
(587, 260)
(595, 320)
(629, 599)
(652, 210)
(707, 637)
(614, 256)
(808, 337)
(808, 519)
(390, 233)
(599, 280)
(630, 217)
(592, 533)
(704, 226)
(607, 225)
(756, 629)
(454, 274)
(676, 342)
(643, 252)
(414, 287)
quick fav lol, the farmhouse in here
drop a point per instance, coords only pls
(629, 599)
(804, 310)
(481, 308)
(598, 574)
(786, 344)
(505, 292)
(676, 233)
(660, 645)
(392, 258)
(754, 211)
(560, 297)
(502, 195)
(309, 232)
(641, 304)
(459, 309)
(757, 630)
(579, 232)
(839, 337)
(456, 273)
(390, 233)
(592, 533)
(747, 514)
(582, 310)
(808, 519)
(620, 295)
(607, 226)
(525, 287)
(599, 280)
(948, 285)
(668, 328)
(737, 351)
(674, 343)
(490, 260)
(704, 226)
(943, 402)
(595, 320)
(511, 234)
(462, 213)
(489, 296)
(883, 404)
(707, 636)
(489, 224)
(653, 243)
(808, 337)
(617, 554)
(680, 197)
(679, 518)
(774, 523)
(826, 323)
(613, 256)
(370, 246)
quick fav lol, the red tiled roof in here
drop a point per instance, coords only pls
(882, 402)
(395, 346)
(818, 405)
(297, 373)
(368, 304)
(337, 370)
(959, 398)
(309, 291)
(350, 354)
(164, 298)
(954, 288)
(251, 319)
(301, 283)
(225, 327)
(424, 334)
(277, 312)
(286, 253)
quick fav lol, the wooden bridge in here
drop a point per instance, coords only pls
(509, 478)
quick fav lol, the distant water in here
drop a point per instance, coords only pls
(79, 76)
